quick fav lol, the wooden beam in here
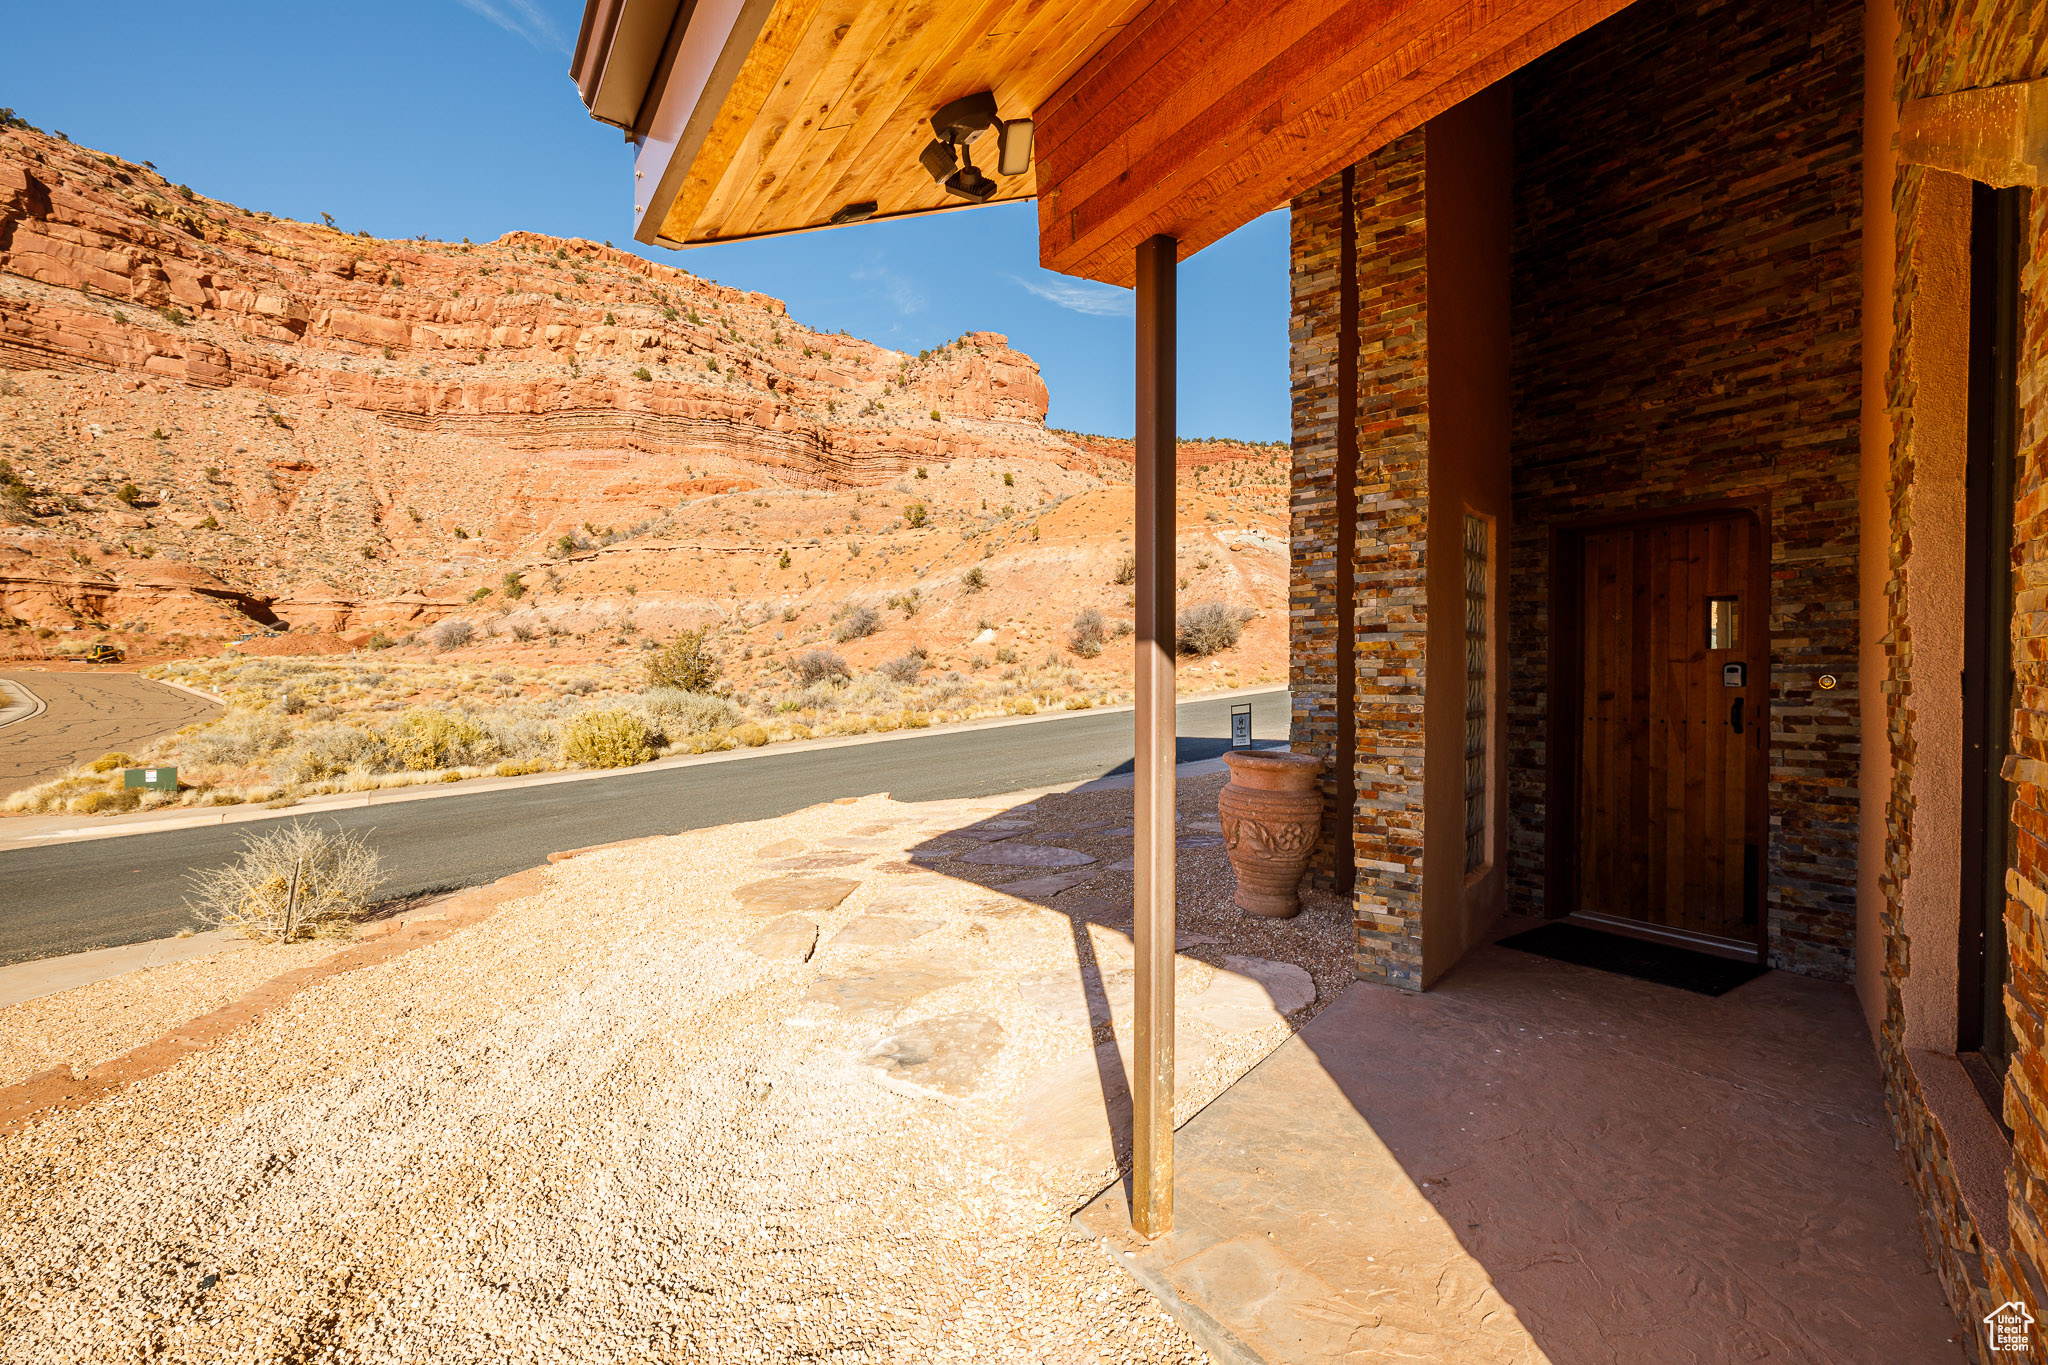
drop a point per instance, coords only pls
(1202, 114)
(1153, 778)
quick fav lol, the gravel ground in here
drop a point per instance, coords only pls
(82, 1027)
(596, 1127)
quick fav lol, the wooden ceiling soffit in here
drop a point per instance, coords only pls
(832, 103)
(1197, 116)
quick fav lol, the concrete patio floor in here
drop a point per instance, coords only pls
(1536, 1161)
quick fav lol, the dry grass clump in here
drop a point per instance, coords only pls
(608, 737)
(815, 666)
(904, 668)
(1086, 634)
(452, 633)
(1210, 628)
(856, 623)
(680, 713)
(301, 881)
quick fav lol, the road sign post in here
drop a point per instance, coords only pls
(150, 779)
(1241, 726)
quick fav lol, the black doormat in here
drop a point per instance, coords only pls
(1701, 973)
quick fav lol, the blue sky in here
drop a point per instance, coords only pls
(457, 118)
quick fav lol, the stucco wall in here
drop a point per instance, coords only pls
(1937, 369)
(1469, 173)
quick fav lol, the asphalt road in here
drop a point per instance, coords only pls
(89, 714)
(100, 893)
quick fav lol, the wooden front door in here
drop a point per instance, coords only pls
(1672, 625)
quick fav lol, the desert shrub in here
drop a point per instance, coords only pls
(817, 666)
(521, 631)
(237, 739)
(520, 767)
(915, 515)
(106, 763)
(452, 633)
(608, 737)
(1209, 628)
(857, 622)
(904, 668)
(107, 803)
(751, 735)
(974, 580)
(679, 712)
(422, 739)
(331, 750)
(1126, 571)
(296, 882)
(685, 663)
(1086, 634)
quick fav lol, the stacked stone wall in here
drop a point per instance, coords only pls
(1686, 303)
(1385, 548)
(1312, 499)
(1393, 530)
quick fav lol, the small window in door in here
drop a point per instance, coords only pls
(1478, 552)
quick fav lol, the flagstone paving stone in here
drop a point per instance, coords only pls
(1252, 993)
(805, 895)
(883, 992)
(881, 931)
(1027, 855)
(790, 937)
(948, 1054)
(1051, 884)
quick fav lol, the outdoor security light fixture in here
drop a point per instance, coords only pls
(1013, 147)
(939, 160)
(854, 213)
(966, 119)
(957, 125)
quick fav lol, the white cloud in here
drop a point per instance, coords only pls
(901, 293)
(1083, 296)
(521, 18)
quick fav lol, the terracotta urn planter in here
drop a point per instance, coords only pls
(1271, 812)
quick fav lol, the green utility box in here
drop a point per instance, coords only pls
(153, 779)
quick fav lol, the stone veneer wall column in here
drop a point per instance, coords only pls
(1986, 1256)
(1686, 301)
(1321, 536)
(1387, 546)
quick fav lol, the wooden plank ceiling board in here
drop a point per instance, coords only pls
(834, 102)
(1187, 117)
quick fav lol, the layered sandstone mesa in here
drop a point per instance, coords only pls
(357, 400)
(217, 422)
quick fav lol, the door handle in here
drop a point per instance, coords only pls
(1735, 715)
